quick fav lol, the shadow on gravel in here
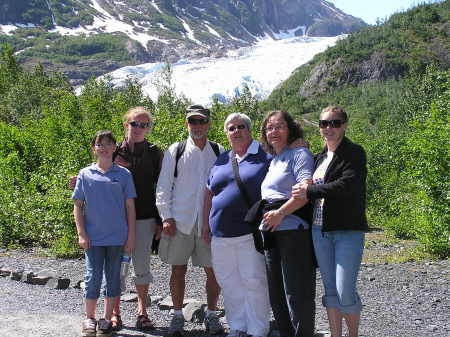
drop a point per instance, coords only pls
(133, 332)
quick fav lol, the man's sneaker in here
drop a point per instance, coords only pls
(104, 328)
(213, 325)
(176, 326)
(89, 327)
(236, 333)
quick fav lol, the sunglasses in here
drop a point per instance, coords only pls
(332, 123)
(238, 127)
(142, 125)
(197, 121)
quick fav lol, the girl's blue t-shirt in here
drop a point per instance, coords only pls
(286, 169)
(104, 195)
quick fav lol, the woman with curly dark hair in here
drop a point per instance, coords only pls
(289, 256)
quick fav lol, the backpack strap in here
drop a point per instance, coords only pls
(182, 146)
(180, 150)
(215, 147)
(116, 151)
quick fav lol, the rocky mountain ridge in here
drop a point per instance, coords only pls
(155, 30)
(406, 43)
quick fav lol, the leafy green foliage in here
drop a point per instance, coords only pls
(45, 131)
(402, 124)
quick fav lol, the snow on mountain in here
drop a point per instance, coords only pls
(261, 67)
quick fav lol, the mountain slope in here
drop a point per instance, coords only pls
(155, 30)
(406, 42)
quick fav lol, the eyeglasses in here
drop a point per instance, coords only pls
(142, 125)
(103, 144)
(197, 121)
(234, 127)
(332, 123)
(275, 128)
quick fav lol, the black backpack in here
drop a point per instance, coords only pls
(182, 146)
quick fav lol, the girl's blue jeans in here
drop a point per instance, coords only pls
(339, 255)
(99, 260)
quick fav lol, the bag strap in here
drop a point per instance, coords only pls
(182, 146)
(215, 147)
(237, 177)
(180, 150)
(257, 236)
(116, 151)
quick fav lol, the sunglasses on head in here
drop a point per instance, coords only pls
(332, 123)
(234, 127)
(196, 121)
(142, 125)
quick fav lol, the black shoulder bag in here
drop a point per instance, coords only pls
(257, 238)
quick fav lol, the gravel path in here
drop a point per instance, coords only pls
(400, 300)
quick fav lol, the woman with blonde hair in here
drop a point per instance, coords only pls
(143, 159)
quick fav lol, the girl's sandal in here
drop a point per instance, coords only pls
(143, 323)
(116, 322)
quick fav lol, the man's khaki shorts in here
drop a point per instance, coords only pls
(176, 250)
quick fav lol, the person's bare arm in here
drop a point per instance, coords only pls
(273, 218)
(78, 213)
(206, 210)
(131, 219)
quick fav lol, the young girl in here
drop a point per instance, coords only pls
(105, 218)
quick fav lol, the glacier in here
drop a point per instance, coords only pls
(260, 67)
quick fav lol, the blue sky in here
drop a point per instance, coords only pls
(370, 10)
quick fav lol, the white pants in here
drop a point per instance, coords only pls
(240, 272)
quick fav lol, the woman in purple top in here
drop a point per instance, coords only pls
(289, 256)
(105, 219)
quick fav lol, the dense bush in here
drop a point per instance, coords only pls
(45, 130)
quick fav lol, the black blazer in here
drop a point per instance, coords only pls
(344, 188)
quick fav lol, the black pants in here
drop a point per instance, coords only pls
(292, 282)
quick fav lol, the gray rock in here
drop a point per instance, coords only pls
(39, 280)
(166, 304)
(79, 285)
(154, 299)
(58, 283)
(129, 298)
(16, 275)
(4, 272)
(27, 276)
(194, 312)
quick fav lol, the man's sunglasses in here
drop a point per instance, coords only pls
(197, 121)
(142, 125)
(332, 123)
(234, 127)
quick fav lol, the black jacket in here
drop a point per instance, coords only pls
(344, 188)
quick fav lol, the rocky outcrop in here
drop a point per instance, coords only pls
(339, 73)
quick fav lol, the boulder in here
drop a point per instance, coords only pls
(58, 283)
(194, 312)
